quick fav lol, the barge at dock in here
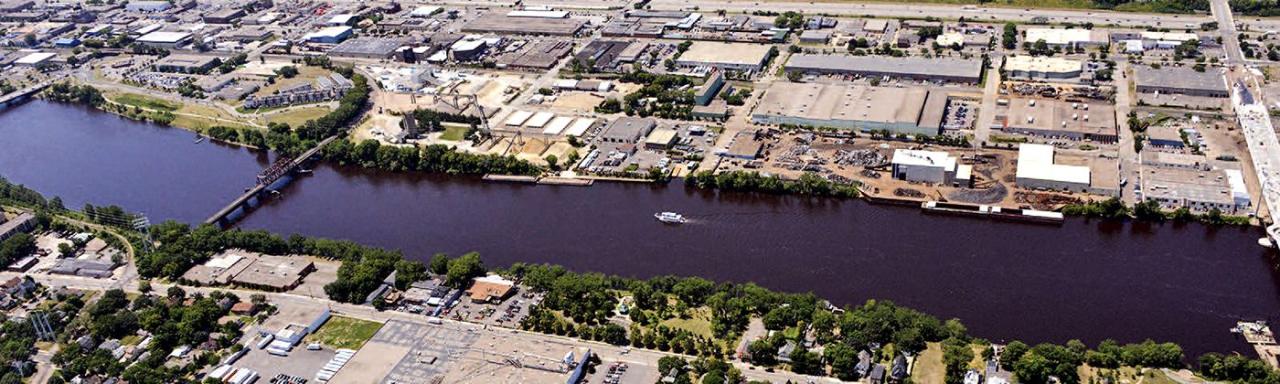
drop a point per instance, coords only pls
(552, 180)
(993, 212)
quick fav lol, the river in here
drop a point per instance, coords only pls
(1085, 279)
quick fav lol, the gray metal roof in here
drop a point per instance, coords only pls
(914, 66)
(1180, 77)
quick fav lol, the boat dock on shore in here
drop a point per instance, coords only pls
(1258, 334)
(511, 178)
(993, 212)
(551, 180)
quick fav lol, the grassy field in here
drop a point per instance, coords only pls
(699, 323)
(1124, 374)
(141, 101)
(297, 116)
(454, 132)
(928, 366)
(344, 332)
(205, 117)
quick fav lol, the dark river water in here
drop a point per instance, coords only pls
(1085, 279)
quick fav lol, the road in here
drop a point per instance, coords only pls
(944, 11)
(1227, 27)
(987, 111)
(1130, 159)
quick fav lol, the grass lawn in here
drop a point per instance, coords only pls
(344, 332)
(928, 366)
(454, 132)
(978, 363)
(141, 101)
(298, 116)
(699, 323)
(1123, 374)
(201, 124)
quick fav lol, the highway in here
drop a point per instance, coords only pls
(944, 11)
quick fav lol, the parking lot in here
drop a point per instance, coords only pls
(407, 353)
(301, 362)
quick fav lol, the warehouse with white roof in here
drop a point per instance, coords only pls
(935, 167)
(1037, 170)
(166, 40)
(1065, 37)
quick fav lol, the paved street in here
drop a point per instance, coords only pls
(1130, 159)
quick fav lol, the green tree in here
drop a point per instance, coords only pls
(463, 269)
(439, 264)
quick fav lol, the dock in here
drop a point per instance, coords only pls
(511, 178)
(550, 180)
(1259, 335)
(566, 181)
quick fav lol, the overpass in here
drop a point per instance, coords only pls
(283, 167)
(1264, 149)
(22, 95)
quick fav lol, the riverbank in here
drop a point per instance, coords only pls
(841, 249)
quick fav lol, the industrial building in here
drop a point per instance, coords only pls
(513, 25)
(236, 267)
(367, 48)
(1197, 190)
(224, 16)
(187, 63)
(913, 68)
(725, 56)
(934, 167)
(707, 91)
(661, 139)
(896, 110)
(1165, 136)
(745, 146)
(166, 40)
(1041, 67)
(627, 130)
(609, 55)
(536, 55)
(35, 59)
(1037, 170)
(1180, 80)
(1068, 37)
(1052, 118)
(330, 35)
(1174, 160)
(22, 223)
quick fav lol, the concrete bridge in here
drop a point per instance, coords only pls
(283, 167)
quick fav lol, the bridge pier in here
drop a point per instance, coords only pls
(282, 168)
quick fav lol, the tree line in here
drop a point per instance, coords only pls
(436, 158)
(749, 181)
(1149, 210)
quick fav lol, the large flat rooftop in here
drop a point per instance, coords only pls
(843, 102)
(367, 47)
(918, 67)
(1179, 78)
(1089, 118)
(503, 24)
(711, 52)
